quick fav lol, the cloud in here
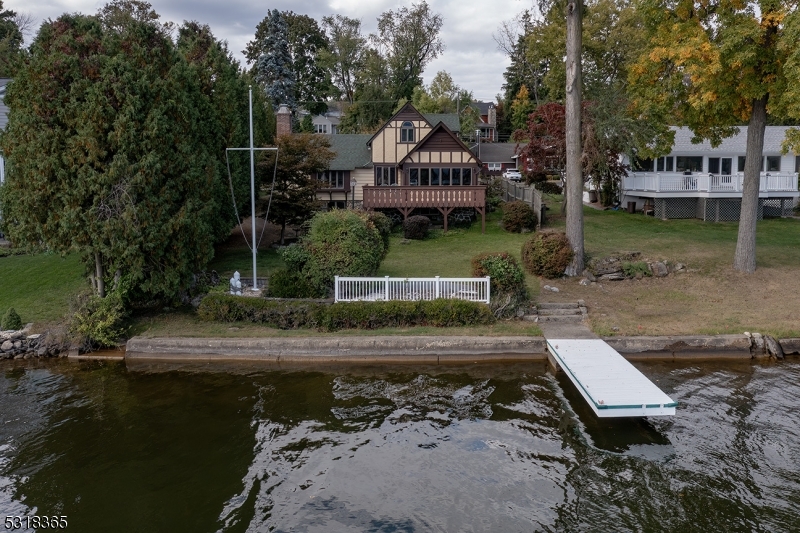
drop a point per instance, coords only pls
(471, 55)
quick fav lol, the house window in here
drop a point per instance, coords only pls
(332, 179)
(385, 176)
(455, 176)
(773, 163)
(435, 177)
(407, 132)
(665, 164)
(645, 165)
(494, 166)
(320, 128)
(689, 163)
(466, 176)
(413, 177)
(740, 164)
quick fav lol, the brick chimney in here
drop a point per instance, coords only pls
(284, 120)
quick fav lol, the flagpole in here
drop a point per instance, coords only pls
(252, 192)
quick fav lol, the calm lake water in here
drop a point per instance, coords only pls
(500, 448)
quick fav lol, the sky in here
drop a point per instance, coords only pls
(471, 55)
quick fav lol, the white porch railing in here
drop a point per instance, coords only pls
(701, 182)
(351, 289)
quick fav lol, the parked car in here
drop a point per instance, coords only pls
(512, 175)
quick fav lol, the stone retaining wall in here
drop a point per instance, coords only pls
(19, 345)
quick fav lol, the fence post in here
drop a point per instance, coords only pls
(488, 288)
(437, 286)
(336, 288)
(386, 297)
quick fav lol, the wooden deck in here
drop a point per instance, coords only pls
(445, 199)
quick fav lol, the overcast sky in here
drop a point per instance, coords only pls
(471, 55)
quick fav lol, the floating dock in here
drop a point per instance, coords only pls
(612, 386)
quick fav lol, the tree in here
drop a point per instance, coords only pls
(301, 157)
(104, 155)
(408, 39)
(344, 57)
(10, 41)
(713, 66)
(521, 108)
(573, 184)
(225, 87)
(274, 64)
(374, 102)
(306, 44)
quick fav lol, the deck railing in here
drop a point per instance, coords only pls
(351, 289)
(701, 182)
(424, 197)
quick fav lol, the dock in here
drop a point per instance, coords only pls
(611, 385)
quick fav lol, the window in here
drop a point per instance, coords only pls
(407, 132)
(495, 166)
(740, 164)
(439, 177)
(689, 163)
(456, 176)
(425, 176)
(332, 179)
(435, 177)
(320, 128)
(466, 176)
(385, 176)
(413, 177)
(773, 163)
(445, 176)
(645, 165)
(665, 164)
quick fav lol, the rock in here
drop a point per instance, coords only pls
(790, 346)
(584, 282)
(615, 276)
(773, 347)
(757, 344)
(26, 356)
(18, 356)
(639, 275)
(659, 269)
(7, 346)
(18, 345)
(614, 328)
(41, 352)
(34, 337)
(520, 312)
(588, 275)
(196, 301)
(16, 335)
(679, 267)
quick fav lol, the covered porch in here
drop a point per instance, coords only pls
(706, 184)
(445, 199)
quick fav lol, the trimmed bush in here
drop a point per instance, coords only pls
(384, 226)
(416, 227)
(285, 283)
(351, 315)
(507, 281)
(547, 254)
(98, 321)
(295, 256)
(517, 216)
(11, 320)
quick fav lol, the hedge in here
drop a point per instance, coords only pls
(294, 314)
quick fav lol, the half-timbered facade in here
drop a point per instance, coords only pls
(417, 162)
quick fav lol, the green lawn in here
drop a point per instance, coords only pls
(39, 286)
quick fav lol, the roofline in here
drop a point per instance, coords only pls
(407, 104)
(440, 125)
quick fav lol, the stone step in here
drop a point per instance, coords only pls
(561, 305)
(553, 312)
(561, 318)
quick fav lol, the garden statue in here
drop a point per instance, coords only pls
(236, 284)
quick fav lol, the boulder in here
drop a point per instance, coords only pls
(659, 269)
(773, 347)
(614, 276)
(7, 346)
(790, 346)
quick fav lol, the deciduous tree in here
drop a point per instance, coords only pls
(344, 57)
(714, 65)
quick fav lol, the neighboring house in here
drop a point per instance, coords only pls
(415, 162)
(3, 123)
(497, 157)
(488, 121)
(327, 124)
(698, 181)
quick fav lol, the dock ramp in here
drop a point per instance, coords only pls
(612, 386)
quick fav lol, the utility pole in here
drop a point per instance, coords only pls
(573, 195)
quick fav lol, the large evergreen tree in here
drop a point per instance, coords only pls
(10, 41)
(106, 156)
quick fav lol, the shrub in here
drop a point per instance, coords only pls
(11, 320)
(549, 187)
(295, 256)
(494, 193)
(631, 269)
(507, 281)
(384, 226)
(98, 321)
(518, 216)
(285, 283)
(416, 227)
(349, 315)
(547, 254)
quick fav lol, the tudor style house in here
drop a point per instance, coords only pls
(414, 163)
(699, 181)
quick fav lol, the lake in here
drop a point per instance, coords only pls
(487, 447)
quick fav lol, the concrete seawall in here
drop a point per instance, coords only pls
(422, 349)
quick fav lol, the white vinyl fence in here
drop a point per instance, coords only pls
(351, 289)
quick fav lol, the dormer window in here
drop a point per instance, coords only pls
(407, 133)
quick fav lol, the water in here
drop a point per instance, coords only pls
(402, 449)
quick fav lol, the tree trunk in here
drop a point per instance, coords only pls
(98, 267)
(745, 258)
(283, 230)
(573, 191)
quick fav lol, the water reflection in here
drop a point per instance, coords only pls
(478, 448)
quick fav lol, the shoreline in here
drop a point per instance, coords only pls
(431, 349)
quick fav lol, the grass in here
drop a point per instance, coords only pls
(40, 286)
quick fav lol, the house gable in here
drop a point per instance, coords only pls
(390, 144)
(441, 145)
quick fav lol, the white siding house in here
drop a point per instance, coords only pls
(698, 181)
